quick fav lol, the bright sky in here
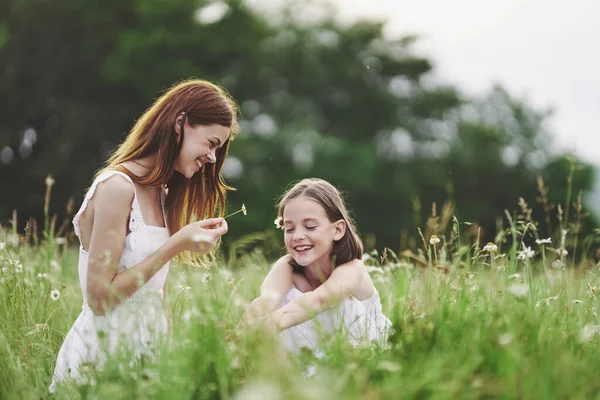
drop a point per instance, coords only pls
(545, 51)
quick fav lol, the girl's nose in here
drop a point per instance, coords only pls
(299, 234)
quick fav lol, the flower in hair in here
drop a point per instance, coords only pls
(278, 222)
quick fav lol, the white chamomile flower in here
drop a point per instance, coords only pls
(490, 248)
(519, 289)
(526, 253)
(278, 222)
(544, 241)
(18, 266)
(54, 295)
(184, 288)
(206, 277)
(434, 239)
(562, 252)
(244, 210)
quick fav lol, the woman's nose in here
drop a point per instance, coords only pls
(211, 157)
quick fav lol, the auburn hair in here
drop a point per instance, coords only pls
(349, 247)
(202, 103)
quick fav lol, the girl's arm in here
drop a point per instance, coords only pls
(112, 206)
(272, 291)
(343, 282)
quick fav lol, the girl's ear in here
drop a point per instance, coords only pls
(340, 230)
(178, 123)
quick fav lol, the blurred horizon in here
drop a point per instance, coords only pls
(320, 95)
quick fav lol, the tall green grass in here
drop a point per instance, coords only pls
(515, 330)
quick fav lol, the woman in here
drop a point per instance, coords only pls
(138, 214)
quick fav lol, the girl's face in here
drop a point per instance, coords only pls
(309, 235)
(200, 143)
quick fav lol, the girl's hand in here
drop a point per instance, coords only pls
(201, 236)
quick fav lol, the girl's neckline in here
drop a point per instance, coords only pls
(367, 299)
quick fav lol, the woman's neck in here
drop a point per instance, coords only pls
(141, 166)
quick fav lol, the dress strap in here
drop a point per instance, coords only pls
(163, 198)
(135, 218)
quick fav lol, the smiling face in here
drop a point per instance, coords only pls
(309, 235)
(200, 143)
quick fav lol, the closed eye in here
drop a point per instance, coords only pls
(311, 228)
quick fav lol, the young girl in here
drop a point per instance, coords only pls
(321, 284)
(137, 215)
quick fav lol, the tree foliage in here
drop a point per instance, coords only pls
(318, 98)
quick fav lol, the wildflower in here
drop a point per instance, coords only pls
(18, 266)
(505, 339)
(2, 246)
(49, 181)
(434, 240)
(5, 270)
(241, 210)
(519, 289)
(205, 277)
(558, 264)
(592, 290)
(526, 253)
(60, 241)
(54, 295)
(588, 332)
(544, 241)
(501, 268)
(514, 276)
(42, 276)
(490, 248)
(577, 301)
(184, 288)
(388, 366)
(545, 301)
(227, 275)
(278, 222)
(55, 265)
(562, 252)
(474, 288)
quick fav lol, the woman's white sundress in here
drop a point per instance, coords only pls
(138, 323)
(358, 320)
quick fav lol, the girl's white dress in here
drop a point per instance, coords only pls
(358, 320)
(138, 323)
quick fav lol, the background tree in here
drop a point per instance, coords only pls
(318, 99)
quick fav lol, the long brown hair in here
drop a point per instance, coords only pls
(202, 196)
(349, 247)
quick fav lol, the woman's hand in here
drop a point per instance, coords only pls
(201, 236)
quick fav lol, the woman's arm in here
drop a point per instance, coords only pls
(112, 206)
(272, 291)
(343, 282)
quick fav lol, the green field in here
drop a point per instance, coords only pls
(465, 327)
